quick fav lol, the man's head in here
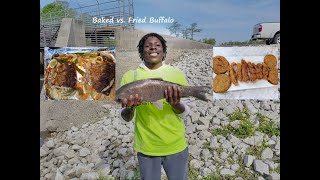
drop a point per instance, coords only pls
(152, 48)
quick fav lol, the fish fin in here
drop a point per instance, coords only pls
(201, 92)
(158, 104)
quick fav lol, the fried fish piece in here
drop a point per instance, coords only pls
(220, 65)
(273, 76)
(265, 71)
(258, 68)
(252, 72)
(232, 74)
(244, 70)
(221, 83)
(239, 73)
(270, 60)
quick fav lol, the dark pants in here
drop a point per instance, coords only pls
(175, 166)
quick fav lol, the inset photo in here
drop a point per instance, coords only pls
(79, 73)
(246, 72)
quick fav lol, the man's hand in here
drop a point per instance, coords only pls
(173, 96)
(132, 101)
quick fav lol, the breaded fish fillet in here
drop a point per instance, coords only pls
(252, 72)
(221, 83)
(239, 72)
(244, 70)
(232, 74)
(270, 60)
(273, 76)
(258, 68)
(265, 71)
(220, 65)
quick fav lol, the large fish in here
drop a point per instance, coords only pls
(152, 90)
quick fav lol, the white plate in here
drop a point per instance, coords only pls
(248, 90)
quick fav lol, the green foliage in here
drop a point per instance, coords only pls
(192, 173)
(223, 132)
(257, 150)
(209, 41)
(175, 28)
(105, 178)
(213, 176)
(240, 115)
(245, 129)
(277, 169)
(244, 43)
(193, 29)
(245, 174)
(185, 32)
(267, 126)
(56, 11)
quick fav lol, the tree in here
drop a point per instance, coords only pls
(175, 28)
(56, 11)
(209, 41)
(193, 29)
(185, 32)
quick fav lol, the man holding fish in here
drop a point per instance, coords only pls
(152, 93)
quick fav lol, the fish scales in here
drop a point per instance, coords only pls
(153, 89)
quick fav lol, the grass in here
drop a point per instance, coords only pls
(245, 130)
(267, 126)
(277, 169)
(257, 150)
(244, 173)
(240, 114)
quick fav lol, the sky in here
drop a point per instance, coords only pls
(223, 20)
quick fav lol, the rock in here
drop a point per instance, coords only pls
(50, 144)
(225, 171)
(248, 160)
(261, 167)
(267, 154)
(204, 135)
(59, 176)
(89, 176)
(84, 152)
(43, 152)
(213, 142)
(74, 129)
(216, 121)
(235, 167)
(235, 124)
(273, 176)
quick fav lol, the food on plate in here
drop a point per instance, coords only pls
(252, 72)
(239, 72)
(220, 65)
(244, 70)
(270, 60)
(221, 83)
(258, 68)
(273, 76)
(82, 76)
(232, 74)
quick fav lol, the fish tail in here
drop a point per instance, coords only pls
(200, 92)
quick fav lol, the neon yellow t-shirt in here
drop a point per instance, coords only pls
(157, 132)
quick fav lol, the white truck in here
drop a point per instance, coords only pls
(268, 31)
